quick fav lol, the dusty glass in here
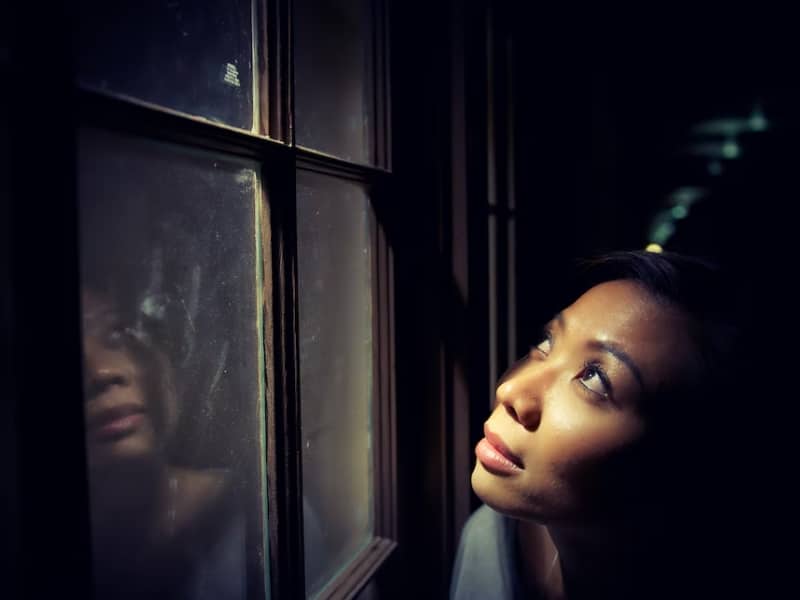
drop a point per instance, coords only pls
(172, 369)
(336, 362)
(195, 57)
(333, 77)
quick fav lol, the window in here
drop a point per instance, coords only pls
(336, 350)
(334, 53)
(193, 57)
(234, 303)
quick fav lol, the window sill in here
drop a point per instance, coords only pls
(350, 581)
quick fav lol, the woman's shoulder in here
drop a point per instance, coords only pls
(214, 534)
(199, 495)
(485, 565)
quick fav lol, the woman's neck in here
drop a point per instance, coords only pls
(587, 561)
(126, 504)
(540, 560)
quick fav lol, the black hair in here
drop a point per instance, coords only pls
(690, 420)
(713, 300)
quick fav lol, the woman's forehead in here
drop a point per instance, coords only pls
(653, 332)
(98, 312)
(622, 303)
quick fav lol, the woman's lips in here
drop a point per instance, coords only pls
(495, 455)
(114, 423)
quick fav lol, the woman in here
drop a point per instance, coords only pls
(592, 460)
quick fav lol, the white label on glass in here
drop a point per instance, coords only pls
(231, 75)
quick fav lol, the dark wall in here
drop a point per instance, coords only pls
(42, 309)
(603, 126)
(437, 216)
(418, 215)
(9, 509)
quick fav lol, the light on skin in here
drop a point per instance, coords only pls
(570, 412)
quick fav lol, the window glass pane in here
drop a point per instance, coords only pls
(333, 77)
(196, 57)
(172, 374)
(334, 273)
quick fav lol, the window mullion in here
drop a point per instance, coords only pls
(284, 464)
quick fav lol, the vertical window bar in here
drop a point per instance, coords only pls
(384, 450)
(258, 75)
(261, 590)
(284, 465)
(381, 78)
(275, 62)
(510, 176)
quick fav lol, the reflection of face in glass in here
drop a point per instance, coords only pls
(127, 390)
(155, 525)
(561, 443)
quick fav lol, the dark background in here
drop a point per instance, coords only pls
(603, 122)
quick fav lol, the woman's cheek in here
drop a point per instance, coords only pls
(579, 438)
(595, 465)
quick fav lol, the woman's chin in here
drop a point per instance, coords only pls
(502, 495)
(492, 490)
(128, 451)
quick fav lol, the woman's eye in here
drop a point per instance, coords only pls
(544, 346)
(593, 379)
(115, 338)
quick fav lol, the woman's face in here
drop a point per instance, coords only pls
(119, 415)
(568, 415)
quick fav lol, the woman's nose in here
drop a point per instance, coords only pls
(522, 396)
(524, 408)
(100, 371)
(100, 380)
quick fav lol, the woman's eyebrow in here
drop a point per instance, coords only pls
(621, 355)
(609, 347)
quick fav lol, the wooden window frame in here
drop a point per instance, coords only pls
(363, 567)
(271, 146)
(285, 452)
